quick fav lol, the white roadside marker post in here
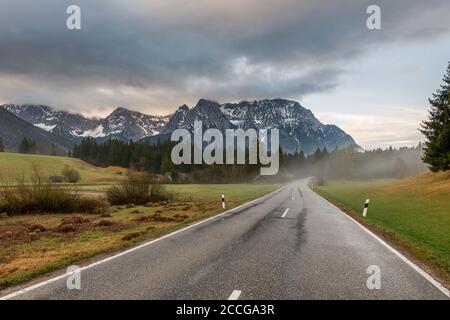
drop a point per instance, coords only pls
(366, 206)
(223, 201)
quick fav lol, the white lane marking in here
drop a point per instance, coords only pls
(433, 281)
(285, 213)
(235, 295)
(62, 276)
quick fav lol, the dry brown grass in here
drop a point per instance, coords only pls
(40, 252)
(67, 238)
(428, 183)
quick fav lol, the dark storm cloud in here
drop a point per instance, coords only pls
(164, 52)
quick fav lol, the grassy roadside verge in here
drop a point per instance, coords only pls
(412, 214)
(36, 244)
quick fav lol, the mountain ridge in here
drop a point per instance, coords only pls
(13, 129)
(121, 123)
(299, 128)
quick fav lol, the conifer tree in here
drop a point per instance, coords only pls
(24, 146)
(437, 128)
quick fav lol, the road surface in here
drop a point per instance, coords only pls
(290, 245)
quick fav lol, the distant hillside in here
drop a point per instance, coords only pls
(13, 130)
(430, 183)
(13, 165)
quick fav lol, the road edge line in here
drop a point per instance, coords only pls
(145, 244)
(419, 270)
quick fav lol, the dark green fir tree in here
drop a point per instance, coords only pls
(437, 128)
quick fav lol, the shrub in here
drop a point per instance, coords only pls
(70, 175)
(320, 181)
(140, 188)
(43, 197)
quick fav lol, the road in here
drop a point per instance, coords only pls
(291, 244)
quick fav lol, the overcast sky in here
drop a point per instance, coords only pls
(155, 55)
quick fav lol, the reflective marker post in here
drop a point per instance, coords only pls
(366, 206)
(223, 201)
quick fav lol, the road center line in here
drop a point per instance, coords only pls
(235, 295)
(285, 213)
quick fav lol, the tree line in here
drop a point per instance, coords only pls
(349, 163)
(352, 163)
(155, 158)
(28, 146)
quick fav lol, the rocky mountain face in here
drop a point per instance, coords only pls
(206, 111)
(124, 124)
(299, 128)
(61, 123)
(121, 124)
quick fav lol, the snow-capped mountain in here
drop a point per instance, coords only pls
(13, 130)
(125, 124)
(61, 123)
(299, 128)
(120, 124)
(207, 111)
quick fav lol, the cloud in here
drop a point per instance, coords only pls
(155, 55)
(397, 128)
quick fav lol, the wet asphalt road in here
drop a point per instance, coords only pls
(290, 245)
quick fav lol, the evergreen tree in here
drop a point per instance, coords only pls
(27, 146)
(166, 163)
(437, 128)
(2, 146)
(24, 146)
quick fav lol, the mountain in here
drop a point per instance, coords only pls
(124, 124)
(207, 111)
(299, 128)
(61, 123)
(13, 130)
(121, 124)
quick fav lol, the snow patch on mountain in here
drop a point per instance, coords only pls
(94, 133)
(45, 127)
(299, 128)
(120, 124)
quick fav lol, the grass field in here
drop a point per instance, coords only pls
(414, 213)
(35, 244)
(15, 165)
